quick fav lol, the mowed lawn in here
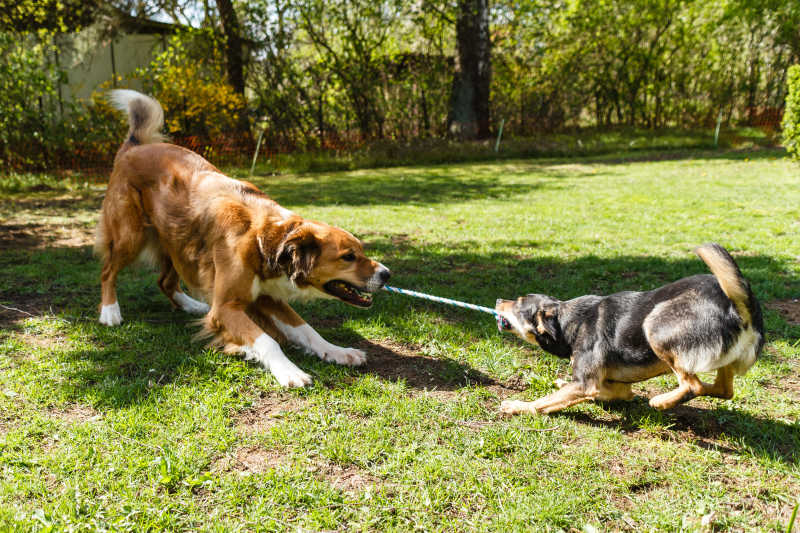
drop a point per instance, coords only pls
(139, 428)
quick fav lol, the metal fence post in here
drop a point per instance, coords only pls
(255, 155)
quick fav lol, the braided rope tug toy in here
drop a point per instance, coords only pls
(502, 323)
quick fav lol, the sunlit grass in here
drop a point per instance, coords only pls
(137, 427)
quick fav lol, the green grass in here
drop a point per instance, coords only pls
(137, 428)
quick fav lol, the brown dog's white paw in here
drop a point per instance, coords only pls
(189, 304)
(344, 356)
(288, 375)
(110, 315)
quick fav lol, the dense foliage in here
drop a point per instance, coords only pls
(791, 117)
(335, 72)
(190, 85)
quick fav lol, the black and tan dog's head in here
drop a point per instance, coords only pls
(533, 318)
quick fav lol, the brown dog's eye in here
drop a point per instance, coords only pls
(348, 257)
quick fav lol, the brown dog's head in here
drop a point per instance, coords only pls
(329, 259)
(532, 318)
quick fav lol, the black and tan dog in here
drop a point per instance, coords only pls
(697, 324)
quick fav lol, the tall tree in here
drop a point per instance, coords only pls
(233, 44)
(234, 54)
(469, 97)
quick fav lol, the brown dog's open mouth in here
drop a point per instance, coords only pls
(349, 293)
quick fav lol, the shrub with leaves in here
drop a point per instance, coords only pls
(791, 116)
(187, 80)
(27, 108)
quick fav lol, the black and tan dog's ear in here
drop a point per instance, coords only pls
(546, 321)
(296, 255)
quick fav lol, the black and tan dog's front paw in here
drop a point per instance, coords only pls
(515, 407)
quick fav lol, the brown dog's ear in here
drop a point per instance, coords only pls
(296, 255)
(547, 321)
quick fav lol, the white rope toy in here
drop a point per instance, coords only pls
(501, 322)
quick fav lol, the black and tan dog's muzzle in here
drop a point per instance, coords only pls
(502, 322)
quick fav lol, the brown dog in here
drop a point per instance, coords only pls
(241, 251)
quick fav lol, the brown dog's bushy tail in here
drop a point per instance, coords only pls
(730, 278)
(145, 117)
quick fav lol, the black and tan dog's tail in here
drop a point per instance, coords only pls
(145, 117)
(730, 278)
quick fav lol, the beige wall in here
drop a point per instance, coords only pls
(89, 69)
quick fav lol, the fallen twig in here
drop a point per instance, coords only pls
(17, 310)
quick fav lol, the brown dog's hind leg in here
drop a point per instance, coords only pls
(168, 281)
(118, 246)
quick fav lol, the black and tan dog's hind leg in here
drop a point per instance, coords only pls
(690, 386)
(708, 320)
(686, 357)
(570, 394)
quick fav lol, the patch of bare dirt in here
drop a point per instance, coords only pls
(788, 309)
(43, 341)
(788, 385)
(761, 503)
(75, 413)
(38, 236)
(21, 307)
(12, 329)
(266, 413)
(639, 478)
(348, 479)
(38, 341)
(249, 460)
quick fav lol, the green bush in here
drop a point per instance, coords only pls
(791, 116)
(37, 131)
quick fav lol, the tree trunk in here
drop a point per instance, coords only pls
(234, 56)
(469, 98)
(426, 121)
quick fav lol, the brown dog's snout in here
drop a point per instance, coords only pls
(380, 275)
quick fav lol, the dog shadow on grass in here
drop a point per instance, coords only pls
(396, 362)
(719, 428)
(128, 369)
